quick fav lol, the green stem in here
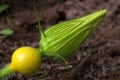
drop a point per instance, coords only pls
(38, 20)
(5, 71)
(62, 58)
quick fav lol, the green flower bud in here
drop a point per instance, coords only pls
(63, 39)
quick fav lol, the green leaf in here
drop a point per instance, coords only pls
(3, 7)
(6, 32)
(63, 39)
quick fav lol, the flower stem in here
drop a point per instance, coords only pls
(5, 71)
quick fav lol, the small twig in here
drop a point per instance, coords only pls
(81, 68)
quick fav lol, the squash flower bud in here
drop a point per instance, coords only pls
(62, 40)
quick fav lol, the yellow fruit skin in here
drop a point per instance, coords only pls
(26, 60)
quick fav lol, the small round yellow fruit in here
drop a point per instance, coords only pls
(26, 60)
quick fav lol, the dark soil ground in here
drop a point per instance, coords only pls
(103, 46)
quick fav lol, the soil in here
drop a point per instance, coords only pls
(103, 44)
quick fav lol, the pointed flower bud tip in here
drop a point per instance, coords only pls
(63, 39)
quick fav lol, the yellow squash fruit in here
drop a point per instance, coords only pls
(26, 60)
